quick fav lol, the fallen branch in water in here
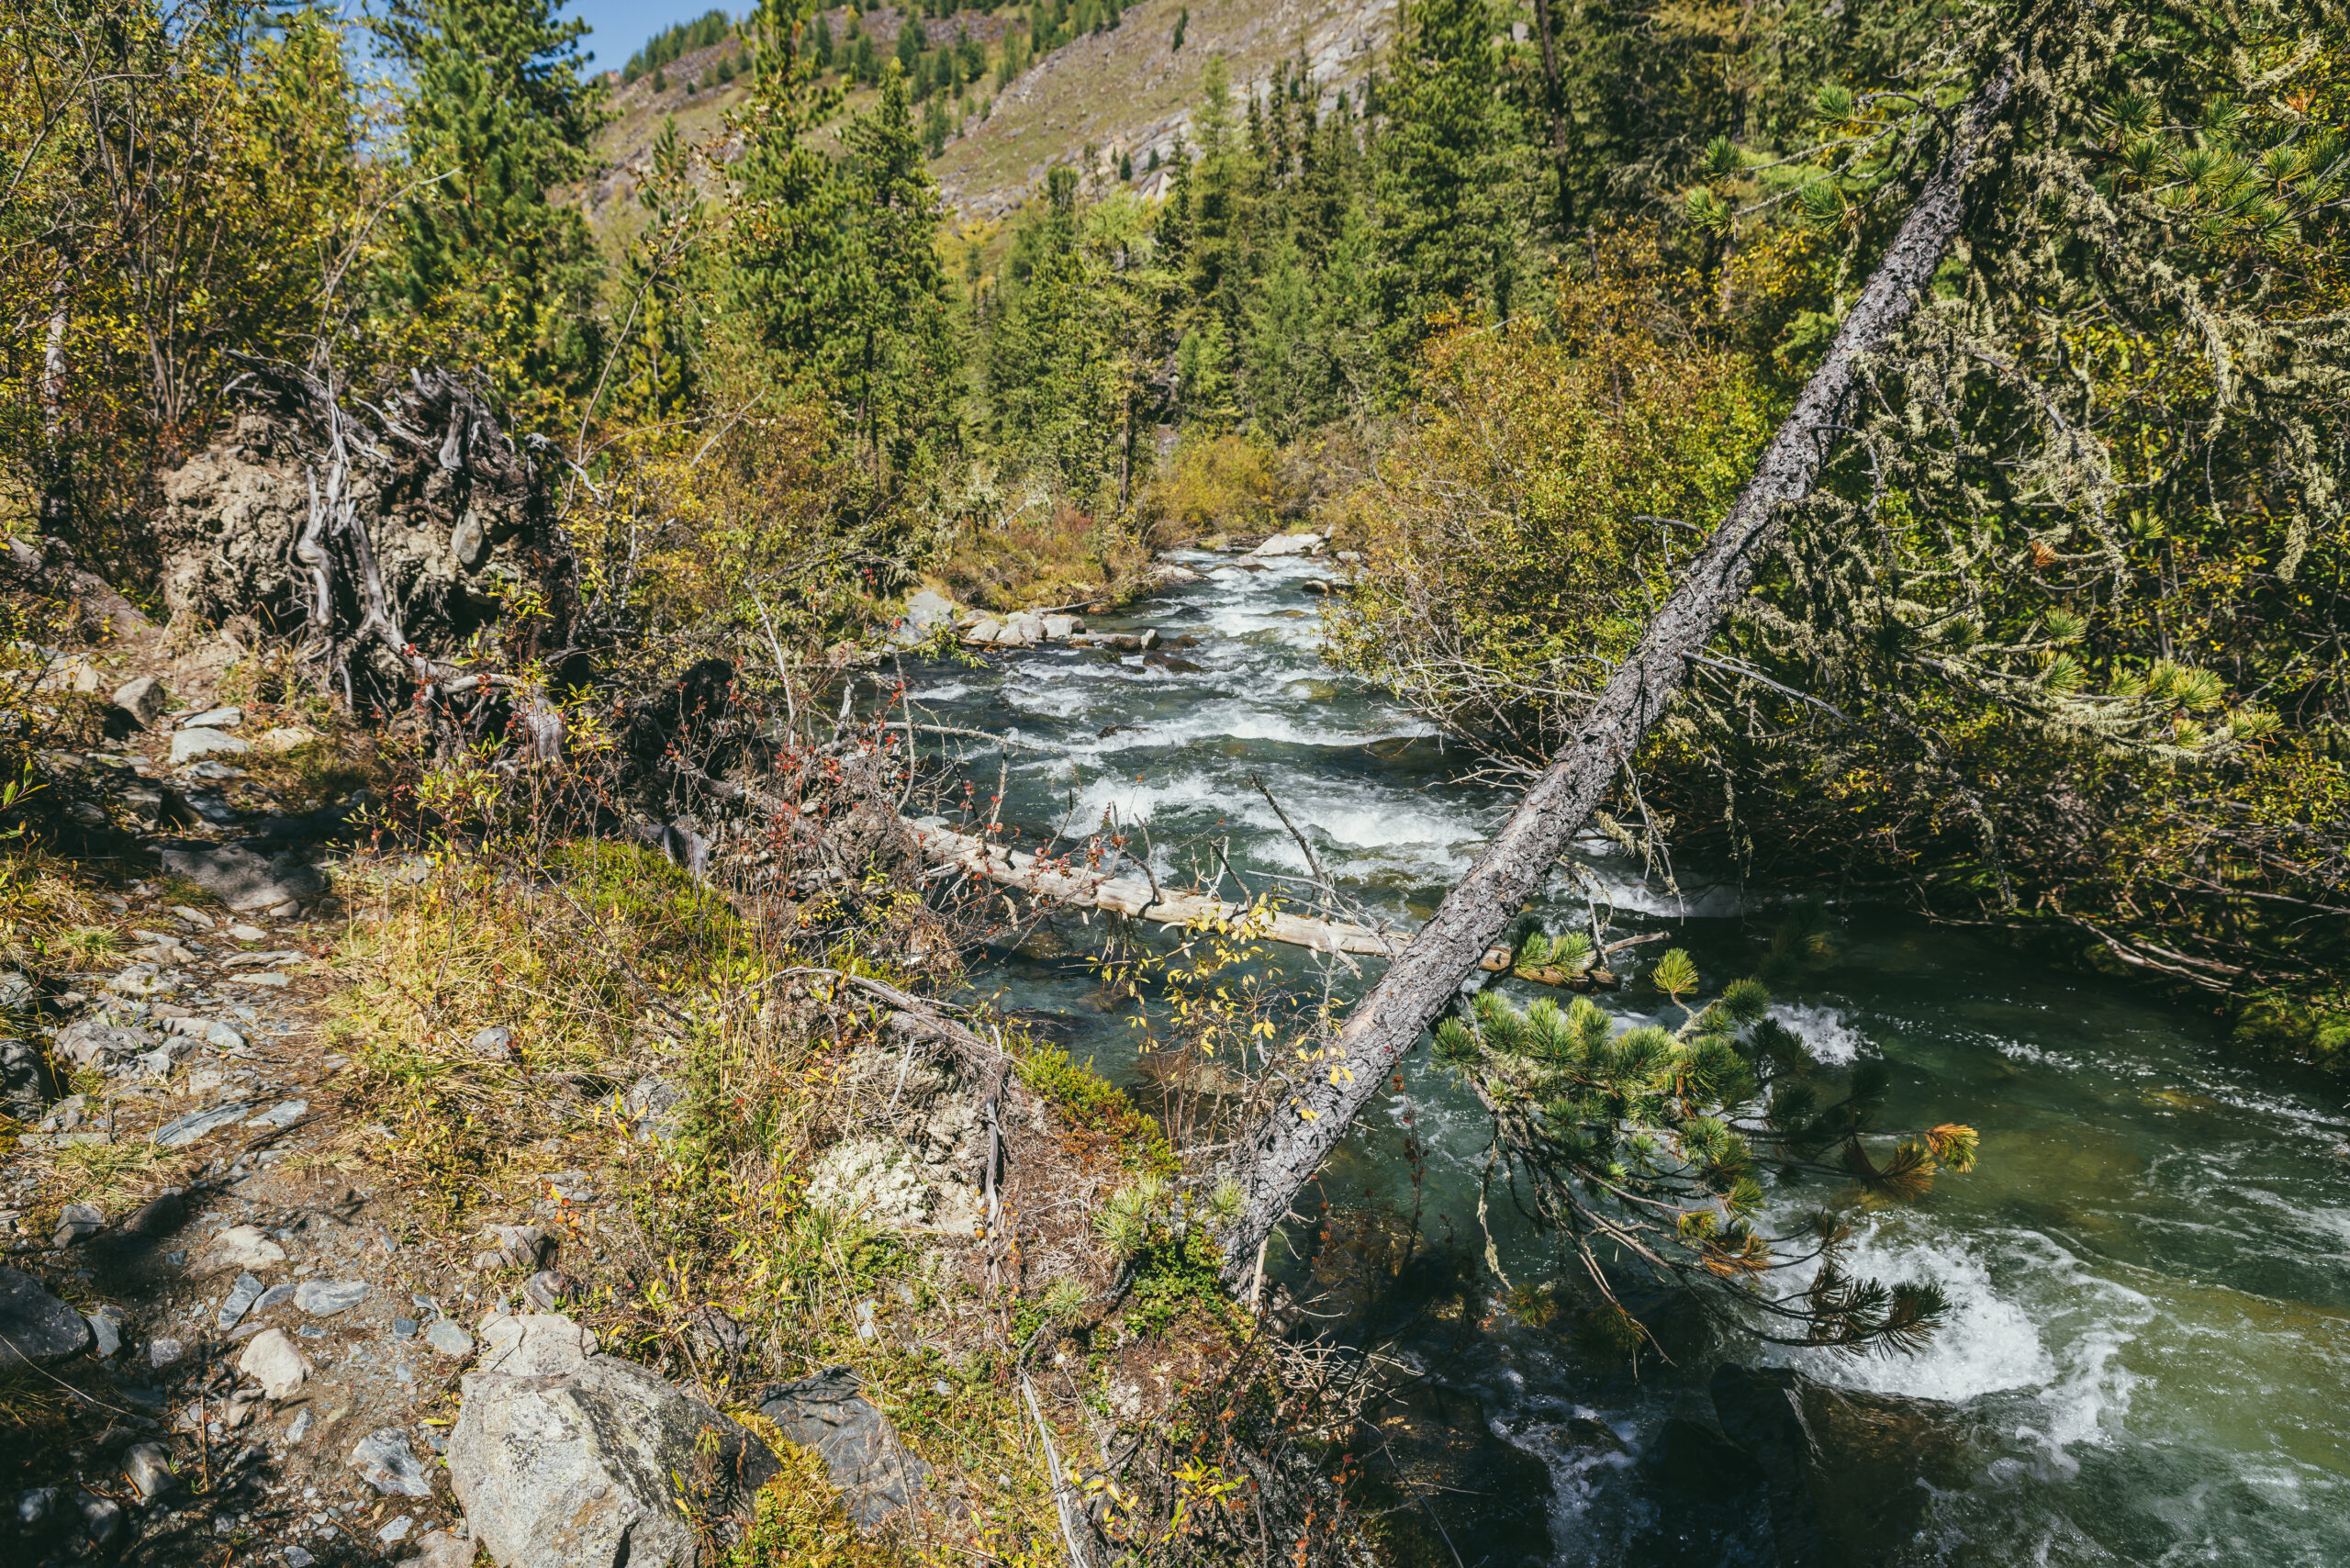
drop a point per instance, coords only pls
(1069, 884)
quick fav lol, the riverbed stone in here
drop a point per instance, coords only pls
(1290, 544)
(241, 1247)
(1849, 1474)
(26, 1081)
(240, 1301)
(148, 1467)
(830, 1414)
(449, 1337)
(77, 1223)
(142, 700)
(35, 1326)
(924, 613)
(603, 1464)
(90, 1043)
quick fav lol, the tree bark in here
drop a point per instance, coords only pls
(1554, 100)
(1422, 982)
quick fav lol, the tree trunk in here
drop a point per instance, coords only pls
(1554, 102)
(1423, 980)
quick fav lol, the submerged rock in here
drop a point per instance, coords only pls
(1849, 1474)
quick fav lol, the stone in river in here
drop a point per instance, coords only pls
(1849, 1474)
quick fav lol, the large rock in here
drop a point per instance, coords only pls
(604, 1464)
(830, 1414)
(244, 880)
(925, 612)
(142, 700)
(189, 744)
(35, 1326)
(1849, 1474)
(26, 1081)
(87, 1043)
(539, 1344)
(1290, 544)
(876, 1178)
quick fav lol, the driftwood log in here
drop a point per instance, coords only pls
(1285, 1153)
(1071, 884)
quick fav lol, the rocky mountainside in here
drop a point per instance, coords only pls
(1124, 90)
(1127, 91)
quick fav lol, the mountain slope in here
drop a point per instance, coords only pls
(1125, 91)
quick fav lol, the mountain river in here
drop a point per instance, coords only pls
(2149, 1357)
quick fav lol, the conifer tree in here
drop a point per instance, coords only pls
(907, 365)
(658, 376)
(793, 272)
(493, 104)
(1445, 173)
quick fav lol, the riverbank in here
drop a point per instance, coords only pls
(2147, 1235)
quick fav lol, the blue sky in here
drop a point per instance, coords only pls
(623, 26)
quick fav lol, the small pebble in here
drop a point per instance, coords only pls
(404, 1328)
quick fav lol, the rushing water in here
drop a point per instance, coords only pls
(2150, 1357)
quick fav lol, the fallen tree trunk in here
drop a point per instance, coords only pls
(1069, 884)
(1290, 1147)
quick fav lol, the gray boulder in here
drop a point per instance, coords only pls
(830, 1414)
(27, 1083)
(35, 1326)
(142, 700)
(243, 880)
(87, 1043)
(925, 612)
(189, 744)
(603, 1464)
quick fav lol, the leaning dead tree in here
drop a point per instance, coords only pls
(382, 536)
(1421, 982)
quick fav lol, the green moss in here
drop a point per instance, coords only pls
(1087, 1100)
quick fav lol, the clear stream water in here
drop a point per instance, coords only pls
(2150, 1359)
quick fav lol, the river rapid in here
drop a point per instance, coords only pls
(2149, 1361)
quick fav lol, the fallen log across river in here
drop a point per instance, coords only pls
(1070, 883)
